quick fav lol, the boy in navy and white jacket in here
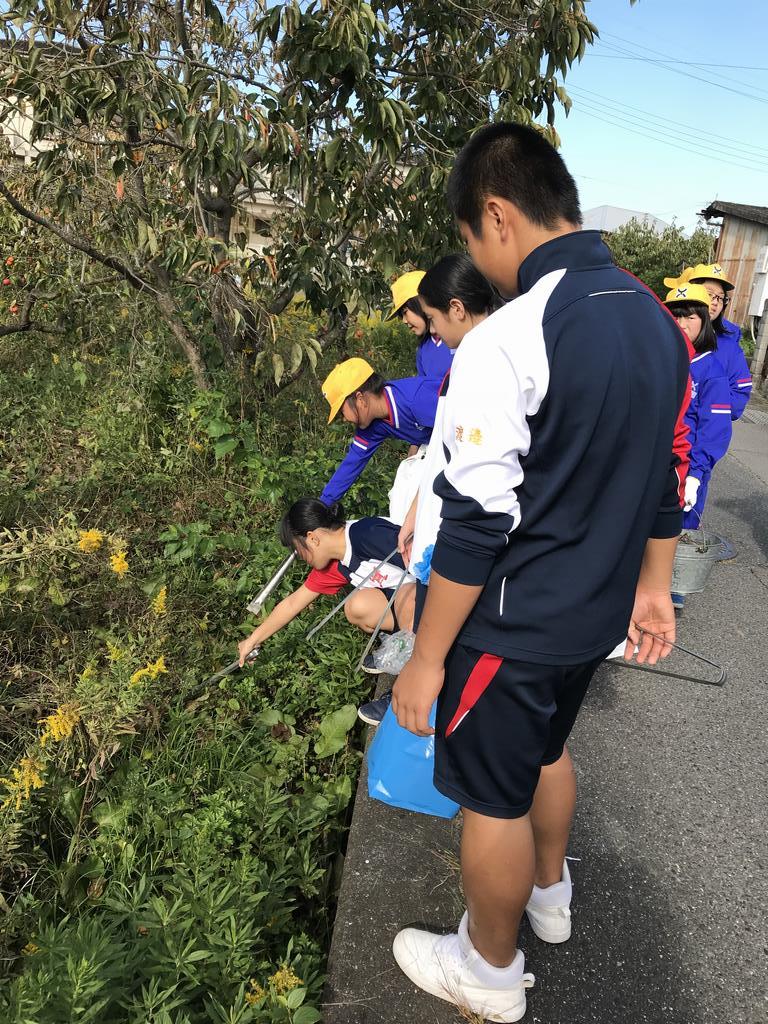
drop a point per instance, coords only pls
(560, 515)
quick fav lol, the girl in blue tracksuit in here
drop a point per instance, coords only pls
(709, 413)
(729, 350)
(433, 356)
(378, 409)
(341, 553)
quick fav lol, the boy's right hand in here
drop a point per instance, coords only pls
(245, 647)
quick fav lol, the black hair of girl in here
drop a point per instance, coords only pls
(707, 339)
(309, 514)
(456, 277)
(415, 307)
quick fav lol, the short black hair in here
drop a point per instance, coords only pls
(375, 384)
(516, 163)
(707, 339)
(456, 277)
(309, 514)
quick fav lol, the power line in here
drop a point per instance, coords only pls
(759, 164)
(577, 89)
(633, 46)
(686, 63)
(663, 142)
(687, 74)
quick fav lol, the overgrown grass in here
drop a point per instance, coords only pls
(165, 860)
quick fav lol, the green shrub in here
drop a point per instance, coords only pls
(164, 858)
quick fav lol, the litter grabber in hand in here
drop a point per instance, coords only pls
(340, 605)
(232, 667)
(621, 663)
(258, 602)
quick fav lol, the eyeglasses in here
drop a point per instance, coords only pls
(722, 299)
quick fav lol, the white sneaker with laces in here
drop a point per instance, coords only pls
(549, 910)
(449, 967)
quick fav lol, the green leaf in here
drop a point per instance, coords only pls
(307, 1015)
(331, 153)
(295, 998)
(222, 448)
(333, 730)
(278, 366)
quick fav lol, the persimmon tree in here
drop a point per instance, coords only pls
(158, 120)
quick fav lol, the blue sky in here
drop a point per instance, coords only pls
(643, 136)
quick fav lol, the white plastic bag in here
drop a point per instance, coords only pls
(405, 485)
(395, 651)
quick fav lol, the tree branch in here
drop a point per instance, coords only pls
(66, 236)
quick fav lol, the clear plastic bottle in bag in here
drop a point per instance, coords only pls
(395, 651)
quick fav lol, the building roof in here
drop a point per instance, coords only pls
(610, 218)
(758, 214)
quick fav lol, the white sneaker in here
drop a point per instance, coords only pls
(549, 910)
(449, 967)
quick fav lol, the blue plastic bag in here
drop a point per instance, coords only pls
(400, 769)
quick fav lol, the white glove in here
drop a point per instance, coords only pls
(692, 486)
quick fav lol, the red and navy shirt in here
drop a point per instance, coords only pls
(411, 405)
(370, 541)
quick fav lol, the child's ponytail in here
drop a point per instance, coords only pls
(309, 514)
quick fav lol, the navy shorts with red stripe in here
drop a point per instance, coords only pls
(498, 722)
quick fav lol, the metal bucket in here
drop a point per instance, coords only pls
(696, 553)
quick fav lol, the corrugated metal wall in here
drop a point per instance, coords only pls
(737, 249)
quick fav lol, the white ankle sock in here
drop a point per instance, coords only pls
(557, 895)
(487, 974)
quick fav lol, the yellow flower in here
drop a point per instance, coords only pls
(158, 604)
(56, 359)
(26, 777)
(90, 540)
(60, 724)
(114, 653)
(257, 993)
(30, 949)
(284, 980)
(196, 446)
(118, 563)
(151, 671)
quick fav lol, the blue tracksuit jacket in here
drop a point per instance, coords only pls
(558, 428)
(731, 355)
(433, 358)
(412, 403)
(709, 425)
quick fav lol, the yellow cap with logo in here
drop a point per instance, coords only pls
(701, 272)
(670, 282)
(710, 272)
(404, 288)
(686, 291)
(343, 380)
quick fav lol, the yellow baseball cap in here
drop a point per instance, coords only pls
(343, 380)
(404, 288)
(710, 272)
(671, 282)
(686, 291)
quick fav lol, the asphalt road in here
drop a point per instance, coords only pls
(670, 865)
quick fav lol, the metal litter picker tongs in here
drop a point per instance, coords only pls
(621, 663)
(255, 607)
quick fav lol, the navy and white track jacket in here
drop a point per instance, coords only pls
(411, 405)
(558, 427)
(369, 542)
